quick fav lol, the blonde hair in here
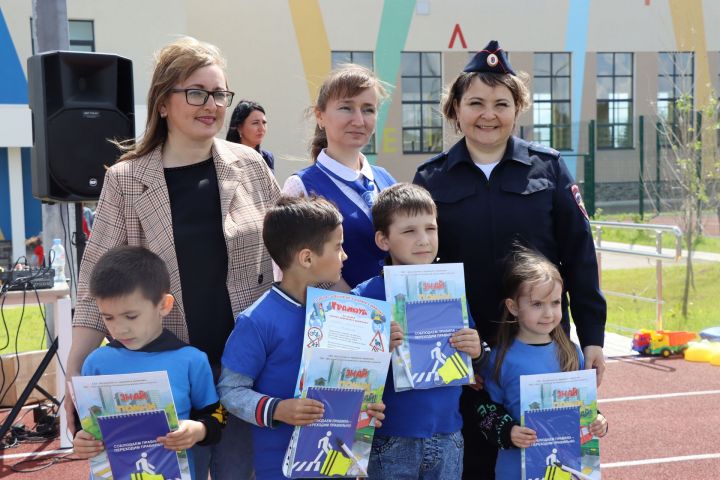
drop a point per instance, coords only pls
(173, 64)
(526, 269)
(349, 80)
(517, 84)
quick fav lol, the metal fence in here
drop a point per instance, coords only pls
(658, 255)
(632, 176)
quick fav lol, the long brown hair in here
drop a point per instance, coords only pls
(173, 64)
(527, 268)
(347, 81)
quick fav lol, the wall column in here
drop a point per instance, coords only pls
(17, 206)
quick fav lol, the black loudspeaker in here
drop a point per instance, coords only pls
(79, 101)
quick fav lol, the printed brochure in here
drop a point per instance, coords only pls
(358, 372)
(429, 303)
(342, 321)
(560, 407)
(128, 398)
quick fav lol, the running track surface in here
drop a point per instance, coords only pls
(664, 419)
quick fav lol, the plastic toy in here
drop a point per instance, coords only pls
(661, 342)
(712, 334)
(703, 351)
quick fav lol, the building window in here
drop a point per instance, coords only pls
(421, 85)
(81, 34)
(366, 60)
(551, 100)
(615, 100)
(675, 80)
(359, 58)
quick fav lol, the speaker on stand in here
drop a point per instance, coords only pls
(80, 101)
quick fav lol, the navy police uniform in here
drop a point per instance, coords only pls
(529, 196)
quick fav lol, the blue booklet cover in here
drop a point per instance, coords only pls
(429, 344)
(132, 449)
(552, 391)
(324, 448)
(558, 440)
(429, 304)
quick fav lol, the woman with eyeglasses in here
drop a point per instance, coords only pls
(199, 203)
(248, 126)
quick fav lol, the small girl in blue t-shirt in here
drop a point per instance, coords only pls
(530, 341)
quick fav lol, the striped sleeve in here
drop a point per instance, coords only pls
(239, 398)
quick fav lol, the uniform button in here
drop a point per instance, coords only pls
(260, 278)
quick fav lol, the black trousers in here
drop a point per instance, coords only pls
(480, 455)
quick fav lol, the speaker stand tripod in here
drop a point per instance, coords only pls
(32, 385)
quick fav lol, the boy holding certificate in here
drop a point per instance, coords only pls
(421, 438)
(304, 237)
(131, 286)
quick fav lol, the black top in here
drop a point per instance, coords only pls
(202, 255)
(531, 196)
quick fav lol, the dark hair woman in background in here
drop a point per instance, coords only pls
(248, 126)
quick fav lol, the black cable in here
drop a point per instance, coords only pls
(18, 436)
(4, 392)
(49, 461)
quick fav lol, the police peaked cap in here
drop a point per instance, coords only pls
(491, 59)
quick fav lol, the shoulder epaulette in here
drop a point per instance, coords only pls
(540, 148)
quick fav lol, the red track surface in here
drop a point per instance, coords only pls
(657, 429)
(652, 430)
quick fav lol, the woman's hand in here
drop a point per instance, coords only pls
(86, 446)
(188, 434)
(466, 340)
(299, 411)
(595, 358)
(377, 411)
(522, 437)
(396, 335)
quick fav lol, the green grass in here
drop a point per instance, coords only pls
(30, 335)
(640, 237)
(703, 310)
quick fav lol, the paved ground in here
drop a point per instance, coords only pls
(664, 422)
(663, 419)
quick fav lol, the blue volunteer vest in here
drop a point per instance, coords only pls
(364, 257)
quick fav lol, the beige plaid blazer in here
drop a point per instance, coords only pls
(134, 209)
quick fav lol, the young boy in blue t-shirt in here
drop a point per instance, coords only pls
(261, 361)
(131, 286)
(421, 437)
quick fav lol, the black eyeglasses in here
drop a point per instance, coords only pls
(197, 96)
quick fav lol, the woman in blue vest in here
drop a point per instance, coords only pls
(346, 112)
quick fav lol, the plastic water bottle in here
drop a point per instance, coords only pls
(58, 260)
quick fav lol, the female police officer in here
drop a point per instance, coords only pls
(491, 188)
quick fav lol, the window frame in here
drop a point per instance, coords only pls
(81, 43)
(424, 125)
(673, 76)
(551, 102)
(71, 43)
(614, 101)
